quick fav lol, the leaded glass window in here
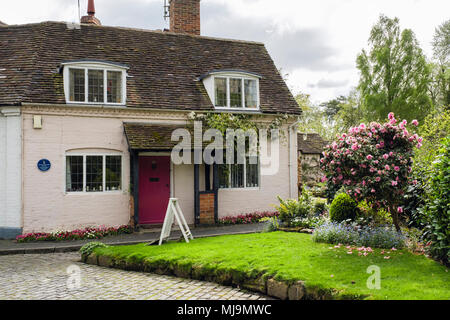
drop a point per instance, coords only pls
(95, 86)
(76, 85)
(220, 87)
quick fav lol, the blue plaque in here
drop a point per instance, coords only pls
(44, 165)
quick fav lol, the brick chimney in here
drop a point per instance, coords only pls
(185, 16)
(90, 18)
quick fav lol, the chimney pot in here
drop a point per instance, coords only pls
(90, 18)
(185, 16)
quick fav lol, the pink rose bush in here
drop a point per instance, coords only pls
(372, 162)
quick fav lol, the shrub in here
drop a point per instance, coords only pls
(89, 247)
(373, 162)
(319, 206)
(376, 237)
(309, 222)
(343, 208)
(272, 224)
(437, 232)
(290, 209)
(367, 214)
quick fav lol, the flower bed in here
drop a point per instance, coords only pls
(79, 234)
(247, 218)
(377, 237)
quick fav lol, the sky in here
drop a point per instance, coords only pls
(313, 42)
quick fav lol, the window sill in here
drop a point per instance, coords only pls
(242, 189)
(114, 192)
(95, 103)
(238, 109)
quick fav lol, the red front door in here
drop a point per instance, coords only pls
(154, 188)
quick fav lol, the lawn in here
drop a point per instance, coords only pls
(294, 256)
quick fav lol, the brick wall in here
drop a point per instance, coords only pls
(207, 208)
(185, 16)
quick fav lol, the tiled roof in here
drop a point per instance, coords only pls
(310, 143)
(163, 67)
(142, 136)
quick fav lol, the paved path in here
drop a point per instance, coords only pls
(63, 276)
(12, 247)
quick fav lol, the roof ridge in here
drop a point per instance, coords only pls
(169, 33)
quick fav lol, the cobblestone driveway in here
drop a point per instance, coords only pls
(55, 276)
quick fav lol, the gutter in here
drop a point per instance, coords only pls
(291, 155)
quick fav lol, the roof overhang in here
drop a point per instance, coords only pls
(230, 71)
(145, 136)
(96, 62)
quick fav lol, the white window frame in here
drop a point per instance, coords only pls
(209, 83)
(103, 66)
(245, 178)
(84, 155)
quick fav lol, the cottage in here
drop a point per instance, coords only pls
(87, 112)
(310, 147)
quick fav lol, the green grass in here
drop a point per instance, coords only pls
(293, 256)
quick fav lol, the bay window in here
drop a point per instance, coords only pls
(93, 173)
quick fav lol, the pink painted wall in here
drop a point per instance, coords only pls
(47, 207)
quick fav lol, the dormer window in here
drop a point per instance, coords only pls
(95, 82)
(233, 89)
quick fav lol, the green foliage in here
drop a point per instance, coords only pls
(343, 208)
(320, 206)
(370, 215)
(435, 127)
(437, 208)
(441, 42)
(290, 209)
(89, 247)
(394, 73)
(272, 223)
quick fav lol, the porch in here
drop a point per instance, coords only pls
(154, 178)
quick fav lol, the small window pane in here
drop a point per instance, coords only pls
(224, 177)
(113, 173)
(76, 84)
(220, 85)
(114, 88)
(237, 175)
(252, 172)
(74, 173)
(251, 93)
(95, 86)
(94, 173)
(236, 93)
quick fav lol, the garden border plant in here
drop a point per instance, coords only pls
(78, 234)
(373, 163)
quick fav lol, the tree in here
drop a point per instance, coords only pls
(313, 119)
(333, 106)
(373, 163)
(441, 71)
(394, 74)
(350, 112)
